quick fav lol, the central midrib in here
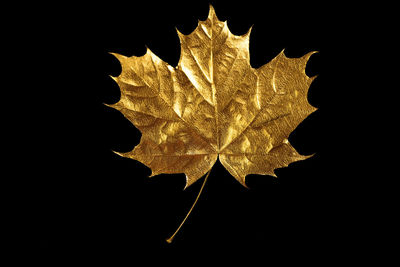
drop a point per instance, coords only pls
(214, 91)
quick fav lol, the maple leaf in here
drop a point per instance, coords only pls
(214, 105)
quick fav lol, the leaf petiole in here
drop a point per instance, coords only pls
(169, 240)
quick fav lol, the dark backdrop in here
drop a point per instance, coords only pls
(89, 205)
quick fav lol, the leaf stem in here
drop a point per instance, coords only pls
(169, 240)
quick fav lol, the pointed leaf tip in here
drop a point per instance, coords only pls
(309, 156)
(114, 54)
(312, 78)
(148, 51)
(244, 184)
(117, 56)
(247, 34)
(107, 105)
(211, 13)
(118, 153)
(113, 77)
(180, 34)
(309, 54)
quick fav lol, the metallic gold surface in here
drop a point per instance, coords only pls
(214, 105)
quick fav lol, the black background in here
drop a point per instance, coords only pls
(89, 205)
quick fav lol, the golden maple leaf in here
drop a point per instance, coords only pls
(214, 105)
